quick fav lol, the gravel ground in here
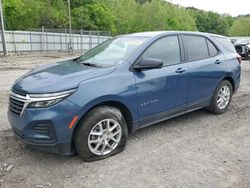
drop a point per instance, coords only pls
(198, 149)
(29, 61)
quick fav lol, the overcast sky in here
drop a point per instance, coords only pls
(232, 7)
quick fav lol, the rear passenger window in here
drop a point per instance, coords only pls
(212, 49)
(196, 47)
(166, 49)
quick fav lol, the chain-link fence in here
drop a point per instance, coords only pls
(51, 41)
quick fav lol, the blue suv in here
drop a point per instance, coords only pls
(89, 104)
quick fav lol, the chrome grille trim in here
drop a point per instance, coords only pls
(15, 102)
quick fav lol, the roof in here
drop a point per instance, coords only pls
(152, 34)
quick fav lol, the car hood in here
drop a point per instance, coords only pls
(58, 76)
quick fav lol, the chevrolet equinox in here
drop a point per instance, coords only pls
(89, 104)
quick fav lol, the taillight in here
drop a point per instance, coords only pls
(239, 58)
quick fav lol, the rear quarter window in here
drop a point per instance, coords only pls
(226, 43)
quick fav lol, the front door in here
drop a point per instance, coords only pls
(161, 92)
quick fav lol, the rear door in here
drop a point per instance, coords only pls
(205, 68)
(164, 90)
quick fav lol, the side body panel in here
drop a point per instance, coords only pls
(159, 91)
(119, 86)
(203, 77)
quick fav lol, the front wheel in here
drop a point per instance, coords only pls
(101, 133)
(222, 97)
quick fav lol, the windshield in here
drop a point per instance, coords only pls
(113, 51)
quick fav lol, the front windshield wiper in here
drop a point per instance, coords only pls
(90, 64)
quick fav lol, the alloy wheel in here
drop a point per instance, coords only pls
(223, 98)
(104, 137)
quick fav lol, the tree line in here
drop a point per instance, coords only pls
(120, 16)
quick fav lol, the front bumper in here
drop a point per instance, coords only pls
(46, 129)
(57, 148)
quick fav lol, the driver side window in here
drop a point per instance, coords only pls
(166, 49)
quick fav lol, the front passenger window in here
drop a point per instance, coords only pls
(166, 49)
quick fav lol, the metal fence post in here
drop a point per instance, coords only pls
(77, 41)
(43, 41)
(81, 43)
(14, 41)
(66, 48)
(60, 41)
(90, 40)
(72, 43)
(98, 33)
(40, 42)
(54, 36)
(5, 51)
(47, 42)
(30, 42)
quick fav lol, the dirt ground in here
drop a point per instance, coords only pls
(198, 149)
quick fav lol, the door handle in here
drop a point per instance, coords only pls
(217, 61)
(180, 70)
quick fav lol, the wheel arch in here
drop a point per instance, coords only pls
(231, 80)
(126, 112)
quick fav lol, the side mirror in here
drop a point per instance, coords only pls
(148, 63)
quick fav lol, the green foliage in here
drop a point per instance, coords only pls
(53, 14)
(159, 15)
(124, 13)
(25, 14)
(241, 27)
(118, 16)
(148, 15)
(19, 14)
(211, 22)
(93, 16)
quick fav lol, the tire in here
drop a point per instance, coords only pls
(247, 57)
(217, 107)
(94, 123)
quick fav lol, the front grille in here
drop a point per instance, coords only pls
(16, 102)
(15, 106)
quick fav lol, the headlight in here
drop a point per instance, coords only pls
(47, 100)
(42, 104)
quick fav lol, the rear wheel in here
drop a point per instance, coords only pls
(222, 97)
(102, 133)
(247, 56)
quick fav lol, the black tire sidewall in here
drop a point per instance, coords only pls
(88, 122)
(214, 106)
